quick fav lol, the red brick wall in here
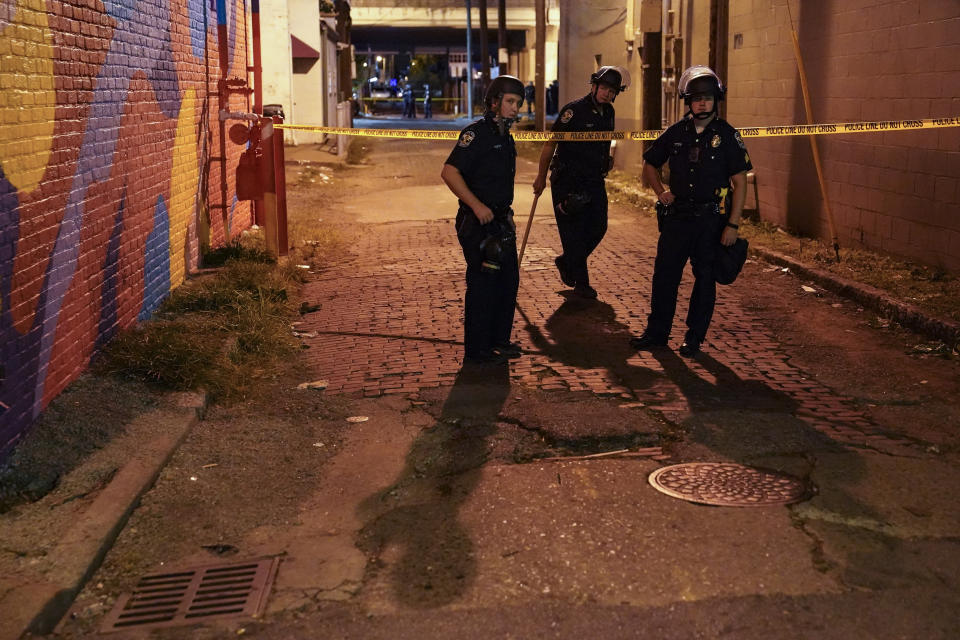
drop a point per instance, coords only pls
(896, 192)
(110, 176)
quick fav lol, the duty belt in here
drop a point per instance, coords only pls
(695, 208)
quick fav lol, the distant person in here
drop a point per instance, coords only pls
(480, 172)
(530, 94)
(553, 97)
(705, 155)
(577, 171)
(409, 106)
(427, 102)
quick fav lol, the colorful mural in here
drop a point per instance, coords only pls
(110, 176)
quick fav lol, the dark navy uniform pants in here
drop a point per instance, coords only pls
(491, 297)
(684, 237)
(582, 231)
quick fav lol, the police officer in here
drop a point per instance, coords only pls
(480, 172)
(427, 102)
(705, 155)
(409, 104)
(530, 93)
(576, 177)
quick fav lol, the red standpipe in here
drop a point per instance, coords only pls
(280, 184)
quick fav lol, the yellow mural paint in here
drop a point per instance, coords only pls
(183, 186)
(27, 95)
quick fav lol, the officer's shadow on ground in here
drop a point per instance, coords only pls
(745, 421)
(720, 416)
(739, 419)
(586, 334)
(412, 527)
(727, 418)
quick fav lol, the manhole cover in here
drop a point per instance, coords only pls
(193, 595)
(727, 484)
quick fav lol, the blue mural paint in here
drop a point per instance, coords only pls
(108, 325)
(141, 42)
(9, 234)
(197, 15)
(233, 209)
(156, 267)
(15, 396)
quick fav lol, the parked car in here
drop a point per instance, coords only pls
(382, 98)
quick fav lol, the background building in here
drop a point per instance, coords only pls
(895, 192)
(399, 33)
(303, 45)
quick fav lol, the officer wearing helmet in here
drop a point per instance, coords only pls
(427, 102)
(480, 172)
(409, 104)
(696, 212)
(577, 170)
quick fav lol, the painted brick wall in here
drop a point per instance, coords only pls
(865, 60)
(110, 176)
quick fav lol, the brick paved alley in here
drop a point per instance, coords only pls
(391, 318)
(415, 498)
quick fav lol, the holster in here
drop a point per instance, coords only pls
(663, 210)
(500, 237)
(575, 202)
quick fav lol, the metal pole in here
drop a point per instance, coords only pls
(484, 47)
(813, 139)
(280, 189)
(257, 62)
(268, 177)
(469, 65)
(539, 101)
(503, 57)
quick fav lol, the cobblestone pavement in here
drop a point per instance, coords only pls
(391, 323)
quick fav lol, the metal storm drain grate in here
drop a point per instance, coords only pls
(727, 484)
(194, 595)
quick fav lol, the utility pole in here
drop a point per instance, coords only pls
(503, 56)
(469, 65)
(539, 101)
(484, 47)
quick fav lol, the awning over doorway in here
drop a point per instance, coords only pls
(302, 50)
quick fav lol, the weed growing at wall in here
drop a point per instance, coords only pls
(220, 332)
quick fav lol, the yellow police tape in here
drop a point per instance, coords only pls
(581, 136)
(399, 99)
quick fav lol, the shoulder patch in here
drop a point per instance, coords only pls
(466, 138)
(567, 115)
(736, 135)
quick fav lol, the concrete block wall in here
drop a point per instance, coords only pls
(865, 60)
(110, 176)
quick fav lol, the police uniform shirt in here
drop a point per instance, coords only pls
(585, 159)
(700, 163)
(487, 161)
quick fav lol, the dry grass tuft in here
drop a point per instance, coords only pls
(220, 332)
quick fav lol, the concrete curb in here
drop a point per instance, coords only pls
(880, 301)
(38, 607)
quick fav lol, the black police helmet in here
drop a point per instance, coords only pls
(616, 77)
(503, 84)
(728, 261)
